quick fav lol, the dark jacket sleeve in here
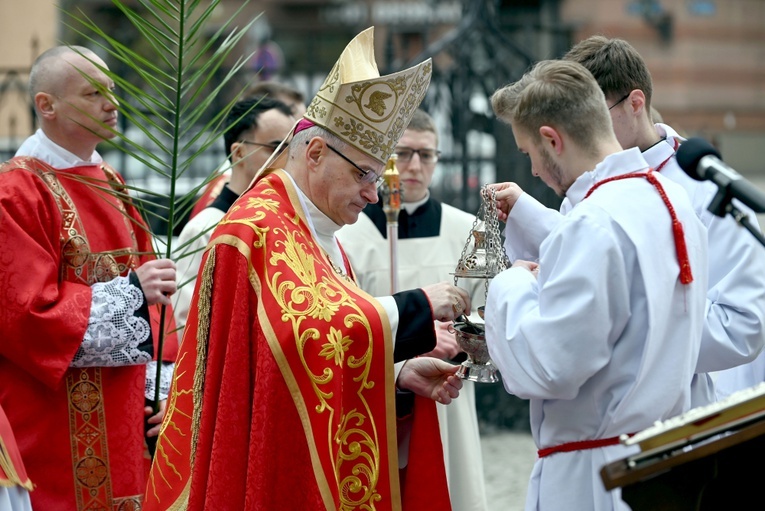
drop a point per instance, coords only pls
(416, 333)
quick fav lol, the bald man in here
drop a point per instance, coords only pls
(80, 296)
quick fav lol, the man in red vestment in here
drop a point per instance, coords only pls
(285, 391)
(79, 300)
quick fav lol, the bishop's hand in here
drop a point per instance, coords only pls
(446, 342)
(431, 378)
(447, 301)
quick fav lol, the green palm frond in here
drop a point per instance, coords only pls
(170, 93)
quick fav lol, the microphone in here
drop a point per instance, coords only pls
(701, 161)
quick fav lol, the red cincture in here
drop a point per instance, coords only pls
(686, 277)
(580, 445)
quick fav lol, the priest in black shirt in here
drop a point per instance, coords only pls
(431, 237)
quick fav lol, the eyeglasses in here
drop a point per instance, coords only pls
(270, 145)
(427, 156)
(625, 97)
(367, 176)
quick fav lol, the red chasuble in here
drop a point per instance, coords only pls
(283, 395)
(80, 431)
(211, 191)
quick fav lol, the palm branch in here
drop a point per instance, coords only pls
(170, 97)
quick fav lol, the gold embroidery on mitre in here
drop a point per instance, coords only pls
(364, 109)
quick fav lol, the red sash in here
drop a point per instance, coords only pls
(580, 445)
(686, 276)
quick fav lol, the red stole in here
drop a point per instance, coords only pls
(283, 394)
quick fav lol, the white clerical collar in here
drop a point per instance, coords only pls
(665, 131)
(411, 207)
(657, 154)
(616, 164)
(322, 227)
(41, 147)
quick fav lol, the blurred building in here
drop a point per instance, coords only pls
(707, 58)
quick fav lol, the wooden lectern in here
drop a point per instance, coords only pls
(707, 459)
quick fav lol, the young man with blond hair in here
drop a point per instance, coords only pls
(602, 332)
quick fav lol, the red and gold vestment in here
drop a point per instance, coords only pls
(284, 393)
(80, 431)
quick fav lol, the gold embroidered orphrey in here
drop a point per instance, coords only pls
(364, 109)
(325, 337)
(79, 262)
(306, 295)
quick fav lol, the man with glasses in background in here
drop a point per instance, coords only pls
(270, 89)
(431, 238)
(255, 127)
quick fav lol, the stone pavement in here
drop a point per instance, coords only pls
(507, 459)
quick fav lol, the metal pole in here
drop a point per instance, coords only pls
(391, 206)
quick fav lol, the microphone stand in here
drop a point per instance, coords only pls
(722, 204)
(391, 206)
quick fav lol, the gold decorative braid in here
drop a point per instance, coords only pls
(78, 263)
(203, 335)
(164, 469)
(90, 453)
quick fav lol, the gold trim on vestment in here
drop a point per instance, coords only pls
(90, 450)
(203, 337)
(131, 503)
(79, 263)
(305, 297)
(6, 465)
(163, 443)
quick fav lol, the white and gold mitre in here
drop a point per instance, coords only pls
(364, 109)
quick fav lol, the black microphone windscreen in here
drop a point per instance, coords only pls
(690, 154)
